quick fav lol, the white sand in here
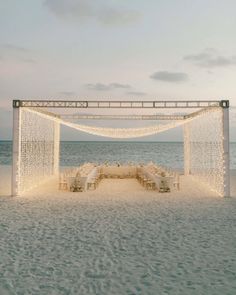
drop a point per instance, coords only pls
(119, 239)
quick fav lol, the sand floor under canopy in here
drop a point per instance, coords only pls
(119, 239)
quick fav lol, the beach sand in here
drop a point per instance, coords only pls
(119, 239)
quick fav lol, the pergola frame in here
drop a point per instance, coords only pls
(39, 105)
(119, 104)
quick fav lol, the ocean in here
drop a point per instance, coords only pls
(74, 153)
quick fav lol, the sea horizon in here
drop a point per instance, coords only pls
(75, 153)
(128, 141)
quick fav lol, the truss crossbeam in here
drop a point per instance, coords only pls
(116, 104)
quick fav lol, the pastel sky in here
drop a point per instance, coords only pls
(116, 49)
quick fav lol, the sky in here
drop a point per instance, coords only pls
(116, 49)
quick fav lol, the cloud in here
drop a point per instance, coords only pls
(114, 16)
(102, 11)
(20, 53)
(210, 59)
(136, 93)
(15, 48)
(107, 87)
(98, 87)
(166, 76)
(118, 85)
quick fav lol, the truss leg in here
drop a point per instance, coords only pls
(187, 157)
(16, 151)
(56, 148)
(226, 171)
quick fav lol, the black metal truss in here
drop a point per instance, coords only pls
(120, 104)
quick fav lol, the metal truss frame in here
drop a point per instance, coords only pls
(42, 106)
(120, 104)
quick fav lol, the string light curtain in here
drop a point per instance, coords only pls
(37, 148)
(38, 154)
(206, 161)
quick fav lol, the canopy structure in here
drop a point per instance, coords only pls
(36, 135)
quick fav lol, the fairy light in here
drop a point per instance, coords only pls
(38, 144)
(206, 149)
(37, 149)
